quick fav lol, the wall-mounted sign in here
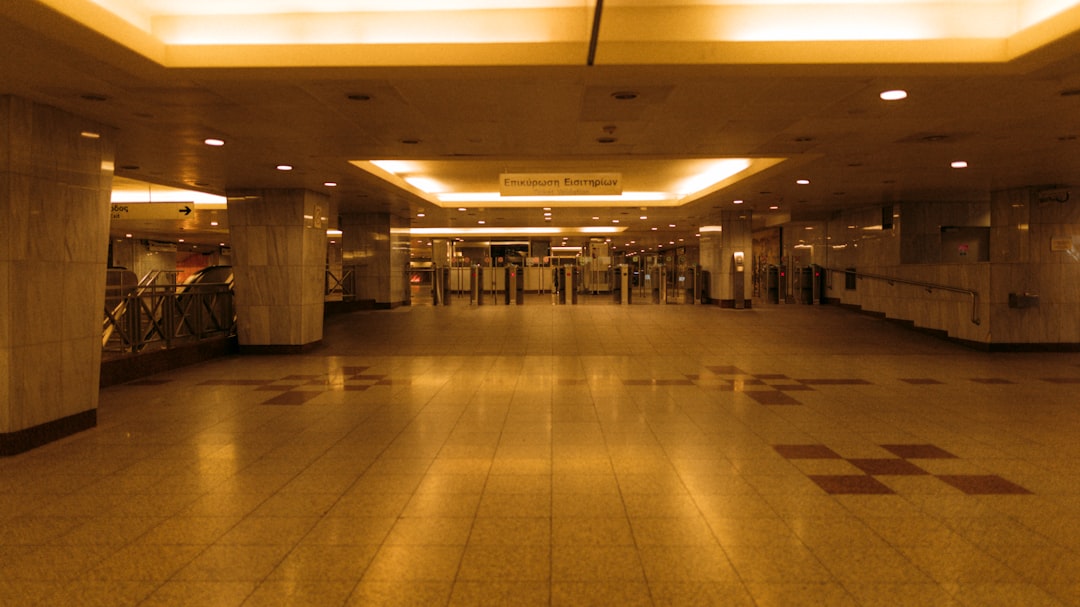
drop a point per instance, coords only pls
(560, 184)
(1061, 244)
(151, 210)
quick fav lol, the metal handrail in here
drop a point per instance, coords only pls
(929, 286)
(168, 313)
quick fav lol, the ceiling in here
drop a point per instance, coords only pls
(466, 91)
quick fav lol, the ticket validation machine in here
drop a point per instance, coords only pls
(570, 284)
(625, 289)
(659, 284)
(476, 292)
(738, 282)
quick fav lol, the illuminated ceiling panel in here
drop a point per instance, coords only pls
(223, 33)
(665, 182)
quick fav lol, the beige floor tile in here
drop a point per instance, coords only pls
(196, 593)
(596, 564)
(576, 594)
(402, 593)
(485, 594)
(506, 563)
(415, 563)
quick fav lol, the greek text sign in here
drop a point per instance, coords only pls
(560, 184)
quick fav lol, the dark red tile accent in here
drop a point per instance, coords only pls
(290, 377)
(353, 370)
(355, 388)
(806, 452)
(771, 397)
(293, 397)
(726, 370)
(887, 467)
(371, 377)
(920, 381)
(834, 382)
(752, 382)
(771, 376)
(990, 380)
(983, 484)
(236, 382)
(792, 388)
(1062, 380)
(148, 382)
(276, 387)
(918, 451)
(842, 484)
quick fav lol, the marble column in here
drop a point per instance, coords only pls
(375, 246)
(279, 264)
(1035, 267)
(55, 183)
(717, 247)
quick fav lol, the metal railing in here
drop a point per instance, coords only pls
(165, 315)
(929, 286)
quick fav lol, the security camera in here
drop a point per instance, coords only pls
(1058, 194)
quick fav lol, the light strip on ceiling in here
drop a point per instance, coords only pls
(510, 231)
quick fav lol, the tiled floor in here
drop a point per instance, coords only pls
(588, 455)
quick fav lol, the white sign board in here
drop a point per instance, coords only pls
(152, 210)
(560, 184)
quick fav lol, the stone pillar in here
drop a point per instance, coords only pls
(1035, 268)
(55, 184)
(376, 247)
(716, 249)
(279, 263)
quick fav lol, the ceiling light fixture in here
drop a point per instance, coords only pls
(893, 95)
(216, 143)
(802, 181)
(330, 184)
(284, 167)
(959, 164)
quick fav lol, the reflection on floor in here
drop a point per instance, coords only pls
(566, 455)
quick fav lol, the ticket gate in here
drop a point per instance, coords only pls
(440, 287)
(515, 285)
(658, 282)
(624, 292)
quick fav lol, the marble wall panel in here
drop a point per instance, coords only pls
(55, 212)
(279, 265)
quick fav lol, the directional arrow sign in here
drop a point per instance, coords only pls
(151, 210)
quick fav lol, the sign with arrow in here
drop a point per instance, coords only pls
(152, 210)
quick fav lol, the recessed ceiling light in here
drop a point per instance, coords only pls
(671, 225)
(421, 215)
(462, 209)
(90, 135)
(330, 184)
(284, 167)
(959, 164)
(893, 95)
(643, 217)
(481, 222)
(736, 202)
(213, 223)
(614, 221)
(773, 207)
(802, 181)
(214, 142)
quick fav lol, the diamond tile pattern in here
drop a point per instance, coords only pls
(565, 455)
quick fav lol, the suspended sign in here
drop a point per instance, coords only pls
(560, 184)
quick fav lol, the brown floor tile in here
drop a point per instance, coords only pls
(983, 484)
(806, 452)
(771, 397)
(292, 397)
(918, 451)
(887, 466)
(851, 484)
